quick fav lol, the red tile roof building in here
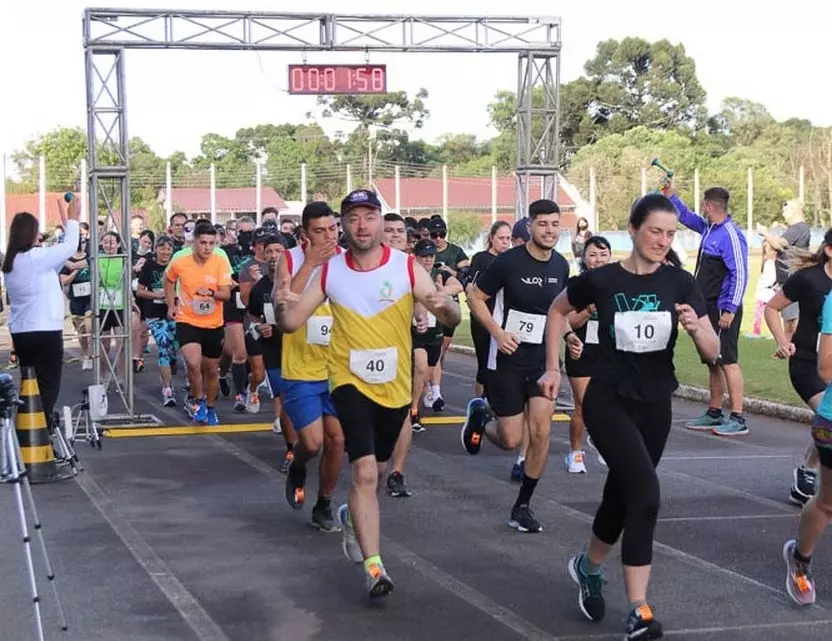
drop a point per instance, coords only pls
(236, 201)
(422, 197)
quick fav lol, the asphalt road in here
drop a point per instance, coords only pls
(179, 538)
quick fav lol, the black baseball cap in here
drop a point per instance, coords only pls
(424, 247)
(437, 226)
(521, 230)
(360, 198)
(260, 235)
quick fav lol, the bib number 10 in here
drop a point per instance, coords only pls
(642, 332)
(647, 332)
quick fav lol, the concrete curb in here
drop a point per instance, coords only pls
(701, 395)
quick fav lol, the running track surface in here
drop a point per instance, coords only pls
(189, 538)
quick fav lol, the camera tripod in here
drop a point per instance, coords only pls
(78, 423)
(14, 472)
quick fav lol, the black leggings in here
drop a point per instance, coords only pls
(45, 352)
(482, 342)
(631, 436)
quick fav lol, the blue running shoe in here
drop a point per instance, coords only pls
(201, 414)
(212, 418)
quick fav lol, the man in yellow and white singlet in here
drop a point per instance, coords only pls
(371, 290)
(306, 397)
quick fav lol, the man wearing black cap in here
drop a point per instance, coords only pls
(524, 280)
(307, 399)
(372, 290)
(453, 258)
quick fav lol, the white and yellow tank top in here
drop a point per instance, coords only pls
(372, 312)
(305, 351)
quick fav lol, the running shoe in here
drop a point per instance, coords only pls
(575, 462)
(323, 519)
(416, 423)
(201, 413)
(378, 581)
(804, 487)
(523, 520)
(239, 403)
(276, 427)
(225, 388)
(477, 417)
(352, 550)
(396, 486)
(590, 589)
(86, 364)
(731, 427)
(438, 404)
(517, 471)
(427, 398)
(252, 402)
(287, 461)
(706, 422)
(799, 583)
(212, 419)
(168, 399)
(296, 486)
(641, 625)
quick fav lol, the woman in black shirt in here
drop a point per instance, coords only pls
(808, 286)
(596, 253)
(499, 240)
(627, 407)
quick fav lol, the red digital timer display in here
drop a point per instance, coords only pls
(337, 79)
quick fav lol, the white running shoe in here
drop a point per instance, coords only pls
(575, 462)
(276, 428)
(427, 398)
(352, 550)
(252, 402)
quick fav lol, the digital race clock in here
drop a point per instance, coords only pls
(337, 79)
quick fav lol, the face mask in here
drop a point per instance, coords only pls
(189, 235)
(143, 250)
(244, 239)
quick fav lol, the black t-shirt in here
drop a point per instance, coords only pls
(809, 287)
(79, 291)
(798, 236)
(152, 276)
(479, 263)
(524, 288)
(592, 347)
(637, 326)
(261, 294)
(434, 334)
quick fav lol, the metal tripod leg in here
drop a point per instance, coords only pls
(18, 477)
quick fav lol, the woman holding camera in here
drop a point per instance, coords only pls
(36, 299)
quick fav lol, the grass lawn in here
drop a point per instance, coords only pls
(765, 377)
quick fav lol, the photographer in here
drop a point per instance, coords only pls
(36, 317)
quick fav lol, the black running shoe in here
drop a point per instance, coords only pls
(323, 519)
(225, 388)
(287, 461)
(296, 486)
(523, 519)
(804, 487)
(396, 486)
(416, 423)
(590, 590)
(438, 404)
(641, 625)
(473, 429)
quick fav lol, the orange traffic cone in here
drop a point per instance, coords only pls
(35, 442)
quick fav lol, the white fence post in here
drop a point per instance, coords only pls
(445, 193)
(213, 194)
(493, 194)
(42, 194)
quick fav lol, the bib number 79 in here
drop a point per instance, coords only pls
(527, 327)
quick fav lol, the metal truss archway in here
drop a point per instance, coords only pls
(108, 33)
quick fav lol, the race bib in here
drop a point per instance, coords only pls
(642, 332)
(82, 289)
(527, 327)
(109, 298)
(268, 314)
(238, 298)
(135, 284)
(375, 366)
(319, 330)
(592, 332)
(203, 306)
(158, 301)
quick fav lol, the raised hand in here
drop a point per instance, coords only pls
(321, 253)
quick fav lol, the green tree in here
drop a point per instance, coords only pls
(63, 148)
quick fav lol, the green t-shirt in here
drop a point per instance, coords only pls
(110, 292)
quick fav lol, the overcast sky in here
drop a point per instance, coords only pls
(779, 59)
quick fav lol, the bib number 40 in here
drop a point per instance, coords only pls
(375, 366)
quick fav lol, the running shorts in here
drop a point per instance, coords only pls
(434, 350)
(230, 312)
(822, 435)
(254, 347)
(111, 319)
(209, 339)
(369, 428)
(728, 338)
(510, 388)
(307, 401)
(448, 332)
(276, 382)
(805, 380)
